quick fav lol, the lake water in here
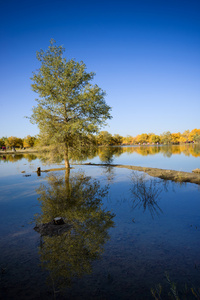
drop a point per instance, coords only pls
(129, 232)
(174, 157)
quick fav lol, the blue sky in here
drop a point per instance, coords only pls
(146, 55)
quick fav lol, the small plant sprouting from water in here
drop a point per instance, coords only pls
(173, 287)
(157, 292)
(188, 293)
(146, 193)
(196, 292)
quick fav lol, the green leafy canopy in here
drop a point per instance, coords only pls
(68, 106)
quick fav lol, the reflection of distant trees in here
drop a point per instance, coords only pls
(166, 150)
(195, 150)
(106, 154)
(78, 200)
(176, 149)
(117, 151)
(30, 156)
(16, 157)
(11, 157)
(109, 171)
(143, 150)
(145, 193)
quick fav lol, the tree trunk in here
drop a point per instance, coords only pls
(66, 157)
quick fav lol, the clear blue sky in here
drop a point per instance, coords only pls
(146, 55)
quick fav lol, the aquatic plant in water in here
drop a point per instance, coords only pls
(145, 192)
(173, 293)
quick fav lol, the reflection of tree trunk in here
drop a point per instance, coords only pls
(66, 156)
(67, 173)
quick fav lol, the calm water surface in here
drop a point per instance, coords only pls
(128, 230)
(180, 158)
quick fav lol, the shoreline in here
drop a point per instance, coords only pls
(26, 151)
(177, 176)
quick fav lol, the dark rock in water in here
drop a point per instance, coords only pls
(52, 228)
(58, 221)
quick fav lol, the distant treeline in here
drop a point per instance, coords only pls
(107, 139)
(107, 154)
(15, 142)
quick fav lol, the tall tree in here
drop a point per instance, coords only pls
(175, 138)
(194, 135)
(69, 107)
(104, 138)
(29, 141)
(13, 141)
(166, 137)
(154, 138)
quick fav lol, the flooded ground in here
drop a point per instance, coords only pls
(130, 232)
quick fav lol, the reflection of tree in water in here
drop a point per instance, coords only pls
(109, 171)
(11, 157)
(78, 200)
(106, 155)
(167, 150)
(85, 149)
(17, 157)
(146, 193)
(30, 156)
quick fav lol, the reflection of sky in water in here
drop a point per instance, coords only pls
(11, 168)
(141, 248)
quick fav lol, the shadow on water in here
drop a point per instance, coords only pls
(78, 200)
